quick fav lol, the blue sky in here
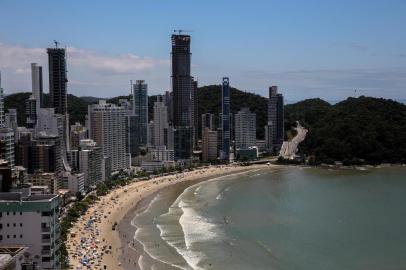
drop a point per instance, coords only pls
(309, 48)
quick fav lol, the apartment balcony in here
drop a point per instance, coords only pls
(46, 252)
(46, 241)
(45, 229)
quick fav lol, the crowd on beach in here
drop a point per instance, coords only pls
(94, 243)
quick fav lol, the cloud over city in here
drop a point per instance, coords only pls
(15, 64)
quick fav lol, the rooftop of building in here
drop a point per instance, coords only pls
(19, 197)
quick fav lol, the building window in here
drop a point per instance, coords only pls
(21, 213)
(21, 236)
(14, 213)
(8, 236)
(8, 224)
(1, 237)
(21, 224)
(8, 213)
(14, 236)
(14, 224)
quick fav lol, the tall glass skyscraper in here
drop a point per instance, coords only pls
(140, 108)
(182, 84)
(226, 119)
(275, 130)
(57, 79)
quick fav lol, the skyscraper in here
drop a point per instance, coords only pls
(91, 162)
(6, 135)
(194, 112)
(37, 84)
(160, 122)
(7, 145)
(225, 123)
(2, 123)
(209, 144)
(181, 91)
(275, 129)
(140, 109)
(107, 127)
(57, 79)
(245, 129)
(31, 112)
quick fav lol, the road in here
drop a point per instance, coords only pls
(289, 148)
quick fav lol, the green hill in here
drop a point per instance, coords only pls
(355, 131)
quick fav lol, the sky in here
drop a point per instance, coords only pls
(312, 48)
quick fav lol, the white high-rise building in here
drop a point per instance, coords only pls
(50, 123)
(2, 123)
(91, 163)
(245, 129)
(36, 77)
(160, 122)
(107, 127)
(7, 145)
(11, 119)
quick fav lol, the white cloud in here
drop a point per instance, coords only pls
(112, 64)
(88, 71)
(18, 58)
(23, 71)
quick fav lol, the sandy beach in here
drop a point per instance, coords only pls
(92, 237)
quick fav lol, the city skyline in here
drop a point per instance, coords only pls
(341, 47)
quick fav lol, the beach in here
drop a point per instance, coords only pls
(92, 238)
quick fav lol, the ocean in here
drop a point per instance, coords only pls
(284, 218)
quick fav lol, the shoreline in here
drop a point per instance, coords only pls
(92, 236)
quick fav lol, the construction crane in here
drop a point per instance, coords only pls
(56, 44)
(180, 31)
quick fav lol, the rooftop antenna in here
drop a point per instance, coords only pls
(56, 44)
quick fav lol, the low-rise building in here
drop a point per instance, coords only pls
(76, 182)
(162, 154)
(46, 179)
(152, 166)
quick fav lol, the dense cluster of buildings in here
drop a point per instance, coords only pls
(48, 158)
